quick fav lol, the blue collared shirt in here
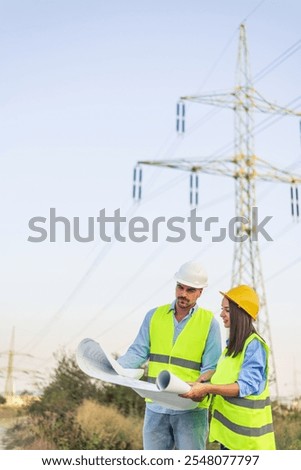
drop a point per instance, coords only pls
(139, 351)
(252, 377)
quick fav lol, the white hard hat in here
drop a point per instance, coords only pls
(192, 274)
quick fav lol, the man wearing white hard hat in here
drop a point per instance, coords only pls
(183, 338)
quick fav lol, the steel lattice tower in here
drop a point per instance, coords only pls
(9, 383)
(245, 168)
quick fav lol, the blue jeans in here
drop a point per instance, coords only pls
(182, 431)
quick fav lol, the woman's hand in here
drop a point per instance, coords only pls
(197, 392)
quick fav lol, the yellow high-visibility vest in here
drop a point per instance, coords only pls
(184, 357)
(241, 423)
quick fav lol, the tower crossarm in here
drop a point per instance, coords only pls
(213, 167)
(241, 97)
(259, 169)
(264, 106)
(267, 172)
(224, 100)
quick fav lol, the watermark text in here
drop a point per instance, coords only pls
(140, 229)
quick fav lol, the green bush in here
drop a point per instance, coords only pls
(54, 415)
(69, 386)
(128, 402)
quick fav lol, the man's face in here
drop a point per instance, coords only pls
(187, 296)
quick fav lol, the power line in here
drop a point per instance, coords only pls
(253, 11)
(278, 61)
(284, 269)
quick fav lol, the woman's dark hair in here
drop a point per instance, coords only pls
(241, 327)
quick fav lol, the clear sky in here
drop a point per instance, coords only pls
(87, 89)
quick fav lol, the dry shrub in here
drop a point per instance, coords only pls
(24, 435)
(106, 428)
(39, 444)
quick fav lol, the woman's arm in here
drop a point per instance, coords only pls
(200, 390)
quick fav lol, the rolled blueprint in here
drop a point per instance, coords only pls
(97, 363)
(168, 382)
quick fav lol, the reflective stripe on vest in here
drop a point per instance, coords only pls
(175, 360)
(184, 357)
(245, 403)
(241, 423)
(243, 430)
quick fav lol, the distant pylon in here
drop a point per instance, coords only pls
(244, 167)
(9, 383)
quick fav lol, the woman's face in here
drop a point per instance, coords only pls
(225, 313)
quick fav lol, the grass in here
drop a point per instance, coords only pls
(8, 415)
(103, 427)
(287, 427)
(92, 426)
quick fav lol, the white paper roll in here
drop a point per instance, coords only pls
(171, 383)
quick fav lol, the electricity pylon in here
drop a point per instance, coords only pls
(9, 384)
(9, 389)
(245, 167)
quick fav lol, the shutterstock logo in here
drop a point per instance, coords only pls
(140, 229)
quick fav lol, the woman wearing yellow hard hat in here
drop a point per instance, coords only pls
(241, 415)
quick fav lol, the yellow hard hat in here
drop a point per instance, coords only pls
(245, 297)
